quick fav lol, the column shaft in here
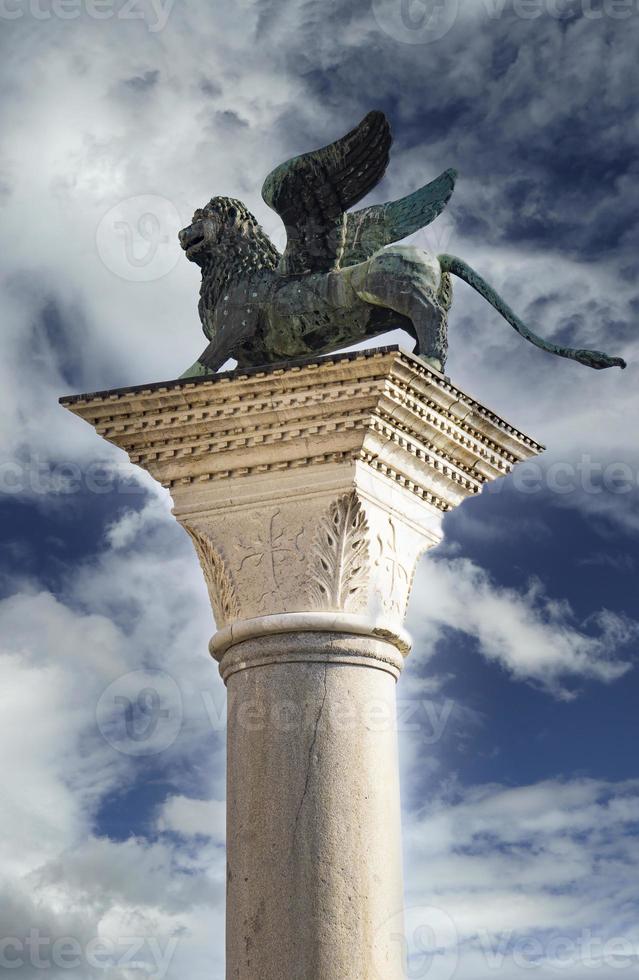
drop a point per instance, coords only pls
(314, 837)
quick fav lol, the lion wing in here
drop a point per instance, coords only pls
(312, 192)
(371, 228)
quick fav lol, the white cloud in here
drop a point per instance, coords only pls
(123, 531)
(39, 814)
(141, 599)
(529, 874)
(191, 818)
(127, 896)
(100, 871)
(534, 636)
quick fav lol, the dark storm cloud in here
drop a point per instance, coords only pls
(55, 335)
(56, 341)
(537, 115)
(269, 12)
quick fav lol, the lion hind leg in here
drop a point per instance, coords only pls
(408, 281)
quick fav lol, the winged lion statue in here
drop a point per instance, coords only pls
(341, 279)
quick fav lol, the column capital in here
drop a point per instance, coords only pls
(310, 489)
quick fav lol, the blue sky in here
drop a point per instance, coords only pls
(519, 701)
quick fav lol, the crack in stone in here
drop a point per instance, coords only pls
(310, 752)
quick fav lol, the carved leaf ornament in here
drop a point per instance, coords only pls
(221, 587)
(339, 557)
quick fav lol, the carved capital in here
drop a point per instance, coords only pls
(310, 490)
(335, 551)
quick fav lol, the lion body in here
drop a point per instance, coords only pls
(253, 313)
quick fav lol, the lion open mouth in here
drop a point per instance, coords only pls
(195, 242)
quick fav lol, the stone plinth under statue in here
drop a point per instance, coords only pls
(309, 490)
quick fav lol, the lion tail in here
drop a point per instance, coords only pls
(591, 358)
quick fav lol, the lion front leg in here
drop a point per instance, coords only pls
(409, 281)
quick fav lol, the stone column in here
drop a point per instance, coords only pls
(309, 491)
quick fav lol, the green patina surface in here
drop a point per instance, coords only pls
(342, 277)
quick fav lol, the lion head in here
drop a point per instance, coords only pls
(210, 226)
(225, 223)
